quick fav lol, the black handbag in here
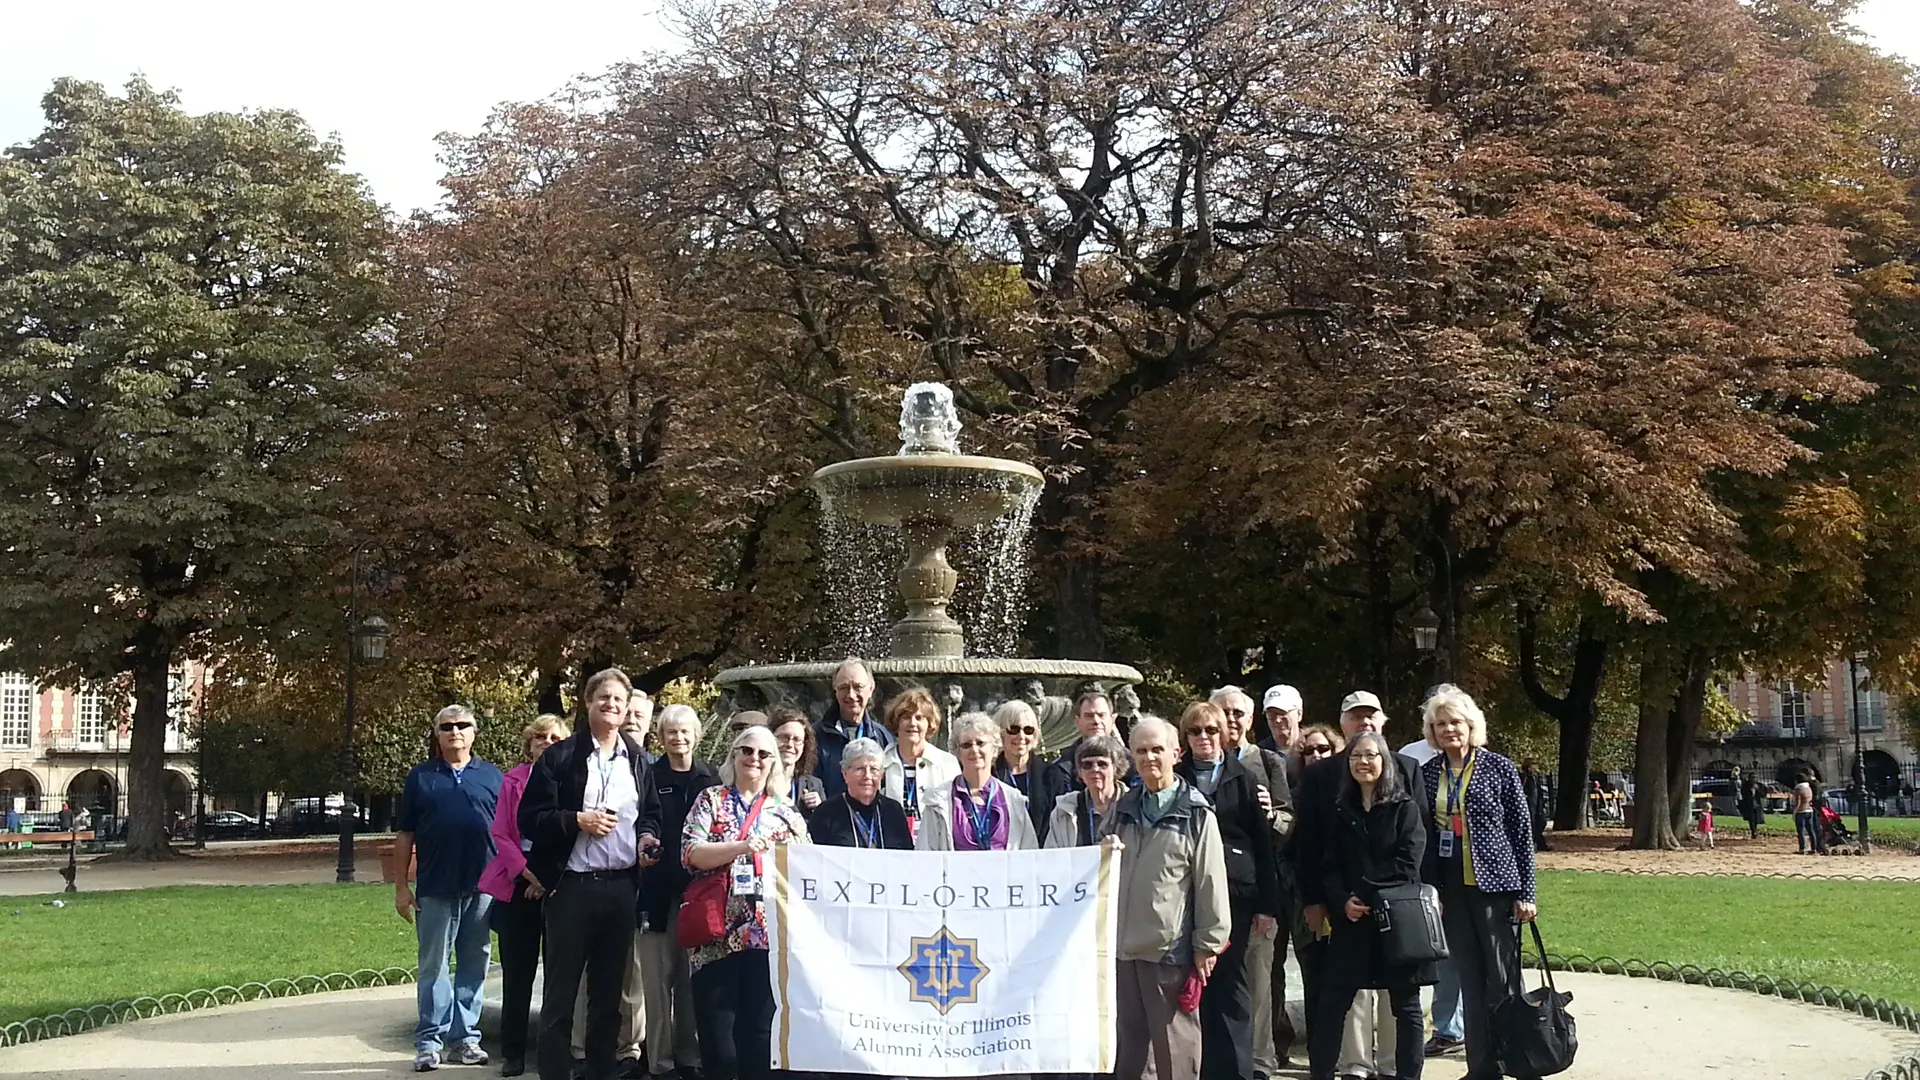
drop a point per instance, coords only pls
(1408, 918)
(1533, 1032)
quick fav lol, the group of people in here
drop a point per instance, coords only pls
(1242, 832)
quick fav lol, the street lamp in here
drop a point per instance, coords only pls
(1426, 630)
(1859, 762)
(366, 642)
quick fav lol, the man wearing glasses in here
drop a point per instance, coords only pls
(593, 817)
(446, 815)
(849, 717)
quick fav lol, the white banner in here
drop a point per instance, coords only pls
(923, 964)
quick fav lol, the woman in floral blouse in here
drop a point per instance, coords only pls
(729, 831)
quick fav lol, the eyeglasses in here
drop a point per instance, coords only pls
(1316, 750)
(753, 752)
(456, 725)
(1211, 730)
(1023, 729)
(550, 737)
(1375, 756)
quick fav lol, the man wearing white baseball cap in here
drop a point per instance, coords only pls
(1315, 808)
(1283, 708)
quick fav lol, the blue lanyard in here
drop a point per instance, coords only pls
(606, 776)
(870, 836)
(739, 804)
(1455, 783)
(910, 790)
(981, 817)
(1087, 801)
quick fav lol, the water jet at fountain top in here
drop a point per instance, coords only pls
(927, 491)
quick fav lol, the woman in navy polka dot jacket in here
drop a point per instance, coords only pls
(1481, 859)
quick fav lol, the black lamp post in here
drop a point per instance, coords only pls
(1859, 762)
(366, 641)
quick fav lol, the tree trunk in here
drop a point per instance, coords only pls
(546, 693)
(1659, 709)
(146, 755)
(1577, 713)
(1078, 630)
(1681, 735)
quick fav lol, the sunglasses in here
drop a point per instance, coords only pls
(1023, 729)
(457, 725)
(753, 752)
(1210, 729)
(1314, 750)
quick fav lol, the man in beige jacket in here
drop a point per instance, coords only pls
(1173, 909)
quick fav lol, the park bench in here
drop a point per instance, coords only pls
(80, 837)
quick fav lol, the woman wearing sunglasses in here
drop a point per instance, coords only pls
(1101, 763)
(1016, 768)
(975, 812)
(730, 830)
(517, 893)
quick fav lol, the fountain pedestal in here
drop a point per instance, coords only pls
(926, 584)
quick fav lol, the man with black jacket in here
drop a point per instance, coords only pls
(1240, 803)
(849, 717)
(1315, 804)
(592, 816)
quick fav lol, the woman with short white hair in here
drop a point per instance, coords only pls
(863, 815)
(729, 832)
(666, 981)
(975, 812)
(1481, 858)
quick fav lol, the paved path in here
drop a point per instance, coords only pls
(1630, 1029)
(208, 869)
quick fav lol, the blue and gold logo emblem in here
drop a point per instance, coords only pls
(944, 970)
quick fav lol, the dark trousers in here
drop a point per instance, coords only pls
(1283, 1033)
(1486, 952)
(1410, 1030)
(1312, 954)
(521, 925)
(1226, 1008)
(589, 929)
(733, 1009)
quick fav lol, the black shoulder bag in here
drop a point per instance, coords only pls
(1533, 1032)
(1409, 923)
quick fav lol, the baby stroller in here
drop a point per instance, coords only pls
(1834, 829)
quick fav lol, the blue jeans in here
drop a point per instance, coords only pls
(1447, 1015)
(1806, 831)
(453, 926)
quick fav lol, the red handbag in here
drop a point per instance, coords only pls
(703, 909)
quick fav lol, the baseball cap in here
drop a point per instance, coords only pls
(1281, 697)
(1360, 699)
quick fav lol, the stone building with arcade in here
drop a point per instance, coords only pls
(1795, 726)
(62, 747)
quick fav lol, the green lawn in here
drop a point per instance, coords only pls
(106, 946)
(1855, 935)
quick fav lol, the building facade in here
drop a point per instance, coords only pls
(1793, 727)
(61, 747)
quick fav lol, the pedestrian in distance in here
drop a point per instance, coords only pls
(446, 817)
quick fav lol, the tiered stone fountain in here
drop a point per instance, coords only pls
(927, 491)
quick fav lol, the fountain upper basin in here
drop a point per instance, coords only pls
(960, 489)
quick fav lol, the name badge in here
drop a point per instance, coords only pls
(745, 881)
(1446, 845)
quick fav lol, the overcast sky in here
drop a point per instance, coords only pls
(388, 76)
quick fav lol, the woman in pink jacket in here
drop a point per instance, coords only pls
(516, 893)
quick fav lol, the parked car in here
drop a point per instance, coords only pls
(315, 817)
(230, 825)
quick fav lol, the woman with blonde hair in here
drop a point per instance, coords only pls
(516, 893)
(975, 812)
(1481, 858)
(914, 766)
(1018, 769)
(729, 830)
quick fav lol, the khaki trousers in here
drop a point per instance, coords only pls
(1260, 961)
(633, 1012)
(672, 1038)
(1155, 1040)
(1368, 1042)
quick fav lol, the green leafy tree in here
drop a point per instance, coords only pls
(190, 320)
